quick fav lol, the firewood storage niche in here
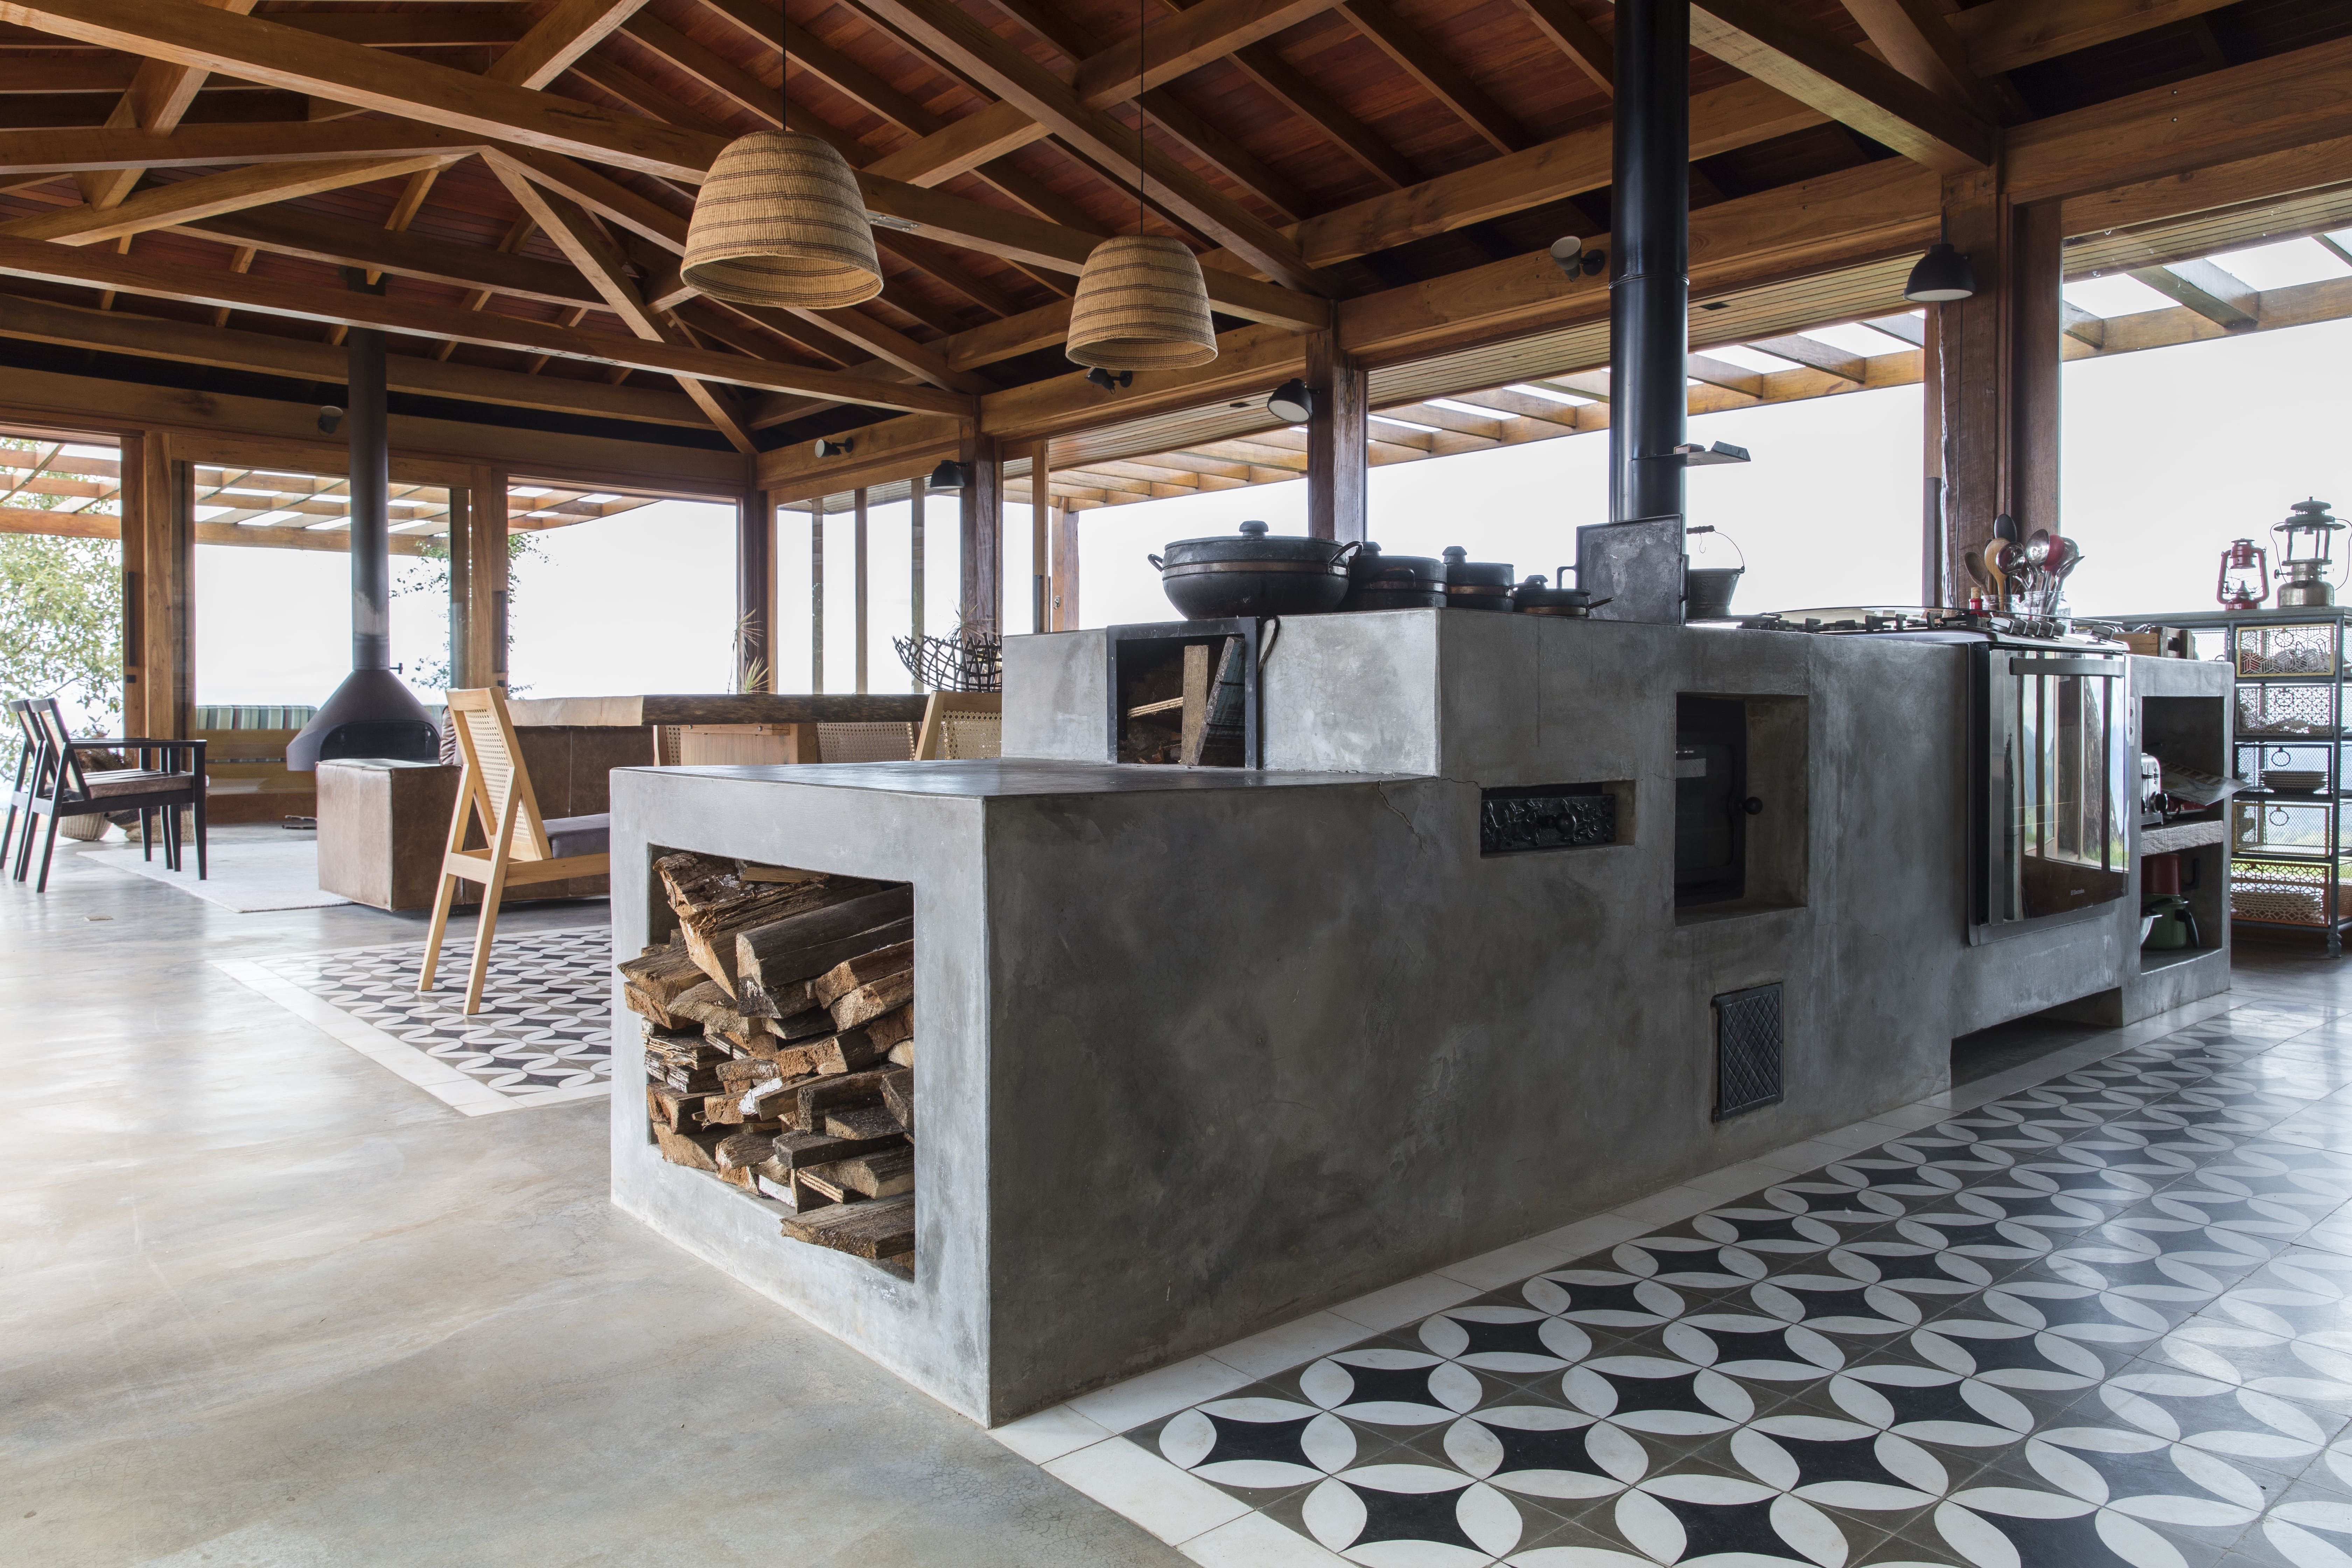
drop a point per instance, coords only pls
(779, 1027)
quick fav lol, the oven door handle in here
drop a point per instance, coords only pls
(2026, 664)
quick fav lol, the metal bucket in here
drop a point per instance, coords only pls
(1708, 590)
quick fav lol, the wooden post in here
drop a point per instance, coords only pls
(1338, 434)
(915, 551)
(1041, 502)
(484, 663)
(982, 605)
(816, 593)
(857, 573)
(159, 573)
(1935, 588)
(461, 574)
(1997, 358)
(755, 591)
(1065, 569)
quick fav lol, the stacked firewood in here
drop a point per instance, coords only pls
(780, 1049)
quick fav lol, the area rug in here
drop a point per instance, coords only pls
(544, 1036)
(247, 878)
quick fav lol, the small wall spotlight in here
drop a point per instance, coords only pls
(1107, 381)
(1293, 401)
(827, 447)
(329, 418)
(949, 475)
(1568, 253)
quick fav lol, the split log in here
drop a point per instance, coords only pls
(768, 1184)
(874, 999)
(814, 1100)
(801, 944)
(691, 1079)
(883, 1228)
(816, 959)
(903, 1054)
(897, 1023)
(898, 1096)
(679, 1112)
(692, 1149)
(800, 1026)
(714, 904)
(827, 1188)
(740, 1151)
(705, 1005)
(782, 875)
(796, 1150)
(735, 1077)
(852, 973)
(645, 1007)
(657, 978)
(881, 1175)
(861, 1122)
(847, 1052)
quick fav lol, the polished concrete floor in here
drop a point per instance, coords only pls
(263, 1305)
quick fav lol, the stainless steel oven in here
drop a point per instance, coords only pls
(2056, 764)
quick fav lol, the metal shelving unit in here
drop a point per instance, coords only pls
(2294, 667)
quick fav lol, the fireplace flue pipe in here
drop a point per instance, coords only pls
(1649, 280)
(370, 487)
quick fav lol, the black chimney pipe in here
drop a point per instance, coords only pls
(1649, 280)
(372, 713)
(371, 492)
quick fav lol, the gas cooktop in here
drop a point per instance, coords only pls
(1882, 620)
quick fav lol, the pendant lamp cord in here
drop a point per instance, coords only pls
(783, 68)
(1142, 29)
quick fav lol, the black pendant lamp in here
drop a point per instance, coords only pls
(1942, 275)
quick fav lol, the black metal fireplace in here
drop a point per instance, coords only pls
(372, 713)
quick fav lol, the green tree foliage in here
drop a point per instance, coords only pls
(60, 615)
(427, 572)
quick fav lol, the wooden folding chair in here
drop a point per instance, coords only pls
(521, 846)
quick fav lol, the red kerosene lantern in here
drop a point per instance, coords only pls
(2244, 581)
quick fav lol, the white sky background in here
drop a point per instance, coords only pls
(2167, 455)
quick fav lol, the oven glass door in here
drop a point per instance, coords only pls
(2062, 755)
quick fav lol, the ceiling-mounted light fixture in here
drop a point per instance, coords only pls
(778, 222)
(1107, 381)
(1293, 401)
(1141, 303)
(828, 448)
(949, 475)
(1568, 253)
(1942, 275)
(329, 418)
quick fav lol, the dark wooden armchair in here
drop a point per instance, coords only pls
(166, 777)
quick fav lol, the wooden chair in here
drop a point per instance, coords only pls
(167, 777)
(522, 847)
(31, 746)
(960, 724)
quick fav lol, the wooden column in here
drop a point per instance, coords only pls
(755, 592)
(1065, 569)
(484, 661)
(158, 565)
(461, 572)
(983, 564)
(1997, 358)
(915, 492)
(1338, 434)
(1041, 548)
(857, 573)
(816, 593)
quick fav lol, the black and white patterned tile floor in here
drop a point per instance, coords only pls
(544, 1036)
(2104, 1320)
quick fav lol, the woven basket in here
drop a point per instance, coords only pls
(2296, 905)
(779, 222)
(1141, 305)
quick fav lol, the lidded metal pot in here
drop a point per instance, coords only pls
(1477, 584)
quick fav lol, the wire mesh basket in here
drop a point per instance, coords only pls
(2278, 893)
(2256, 826)
(2286, 710)
(964, 662)
(2286, 650)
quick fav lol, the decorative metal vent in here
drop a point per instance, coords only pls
(1746, 1049)
(1545, 816)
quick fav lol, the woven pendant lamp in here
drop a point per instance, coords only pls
(1141, 305)
(779, 222)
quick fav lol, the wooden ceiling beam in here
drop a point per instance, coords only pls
(2207, 290)
(1915, 38)
(336, 242)
(62, 263)
(2003, 35)
(187, 33)
(1204, 32)
(1419, 57)
(1810, 64)
(262, 353)
(209, 195)
(568, 30)
(160, 93)
(1586, 49)
(192, 146)
(964, 41)
(1815, 355)
(602, 262)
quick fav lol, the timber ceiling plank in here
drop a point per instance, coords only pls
(2207, 290)
(1804, 60)
(2006, 34)
(1420, 58)
(1915, 39)
(1585, 49)
(111, 147)
(209, 195)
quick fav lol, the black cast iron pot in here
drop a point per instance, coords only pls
(1538, 596)
(1377, 582)
(1255, 574)
(1477, 584)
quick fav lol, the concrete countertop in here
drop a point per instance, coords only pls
(1016, 776)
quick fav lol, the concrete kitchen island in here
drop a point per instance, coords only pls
(1204, 1050)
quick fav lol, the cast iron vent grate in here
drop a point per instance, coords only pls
(1746, 1049)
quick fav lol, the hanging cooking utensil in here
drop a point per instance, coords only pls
(2037, 549)
(2005, 527)
(1992, 554)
